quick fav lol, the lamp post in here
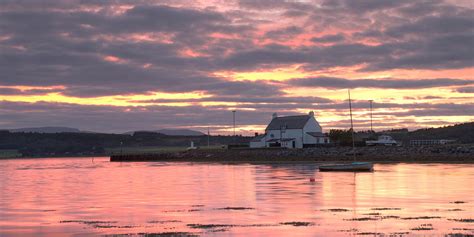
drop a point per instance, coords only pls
(371, 129)
(233, 117)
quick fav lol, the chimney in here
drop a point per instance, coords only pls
(256, 134)
(274, 115)
(311, 113)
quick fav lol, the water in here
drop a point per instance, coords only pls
(81, 197)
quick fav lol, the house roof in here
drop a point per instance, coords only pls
(316, 134)
(288, 122)
(258, 138)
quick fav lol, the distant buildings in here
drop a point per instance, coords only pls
(431, 142)
(291, 132)
(384, 140)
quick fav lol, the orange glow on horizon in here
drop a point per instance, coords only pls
(278, 74)
(110, 58)
(119, 100)
(349, 72)
(27, 88)
(189, 53)
(218, 35)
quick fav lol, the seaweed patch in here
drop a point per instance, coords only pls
(195, 210)
(362, 219)
(421, 218)
(235, 208)
(161, 234)
(297, 223)
(462, 220)
(209, 226)
(88, 222)
(162, 222)
(385, 208)
(372, 214)
(349, 230)
(369, 233)
(423, 227)
(336, 210)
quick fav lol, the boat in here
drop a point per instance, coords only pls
(354, 166)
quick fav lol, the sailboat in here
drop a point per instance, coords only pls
(354, 166)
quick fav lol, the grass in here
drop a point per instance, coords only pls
(152, 149)
(9, 153)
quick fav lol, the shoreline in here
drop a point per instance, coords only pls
(51, 157)
(444, 154)
(462, 154)
(287, 161)
(302, 162)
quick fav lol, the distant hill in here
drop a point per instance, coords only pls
(172, 132)
(180, 132)
(169, 132)
(46, 130)
(96, 144)
(462, 133)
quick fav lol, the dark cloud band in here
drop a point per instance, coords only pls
(388, 83)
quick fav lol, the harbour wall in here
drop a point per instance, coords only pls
(444, 153)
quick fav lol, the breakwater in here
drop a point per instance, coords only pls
(446, 153)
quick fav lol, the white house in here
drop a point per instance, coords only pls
(291, 132)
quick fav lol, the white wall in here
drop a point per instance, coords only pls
(258, 144)
(289, 133)
(311, 126)
(288, 144)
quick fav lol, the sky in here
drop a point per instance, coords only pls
(118, 66)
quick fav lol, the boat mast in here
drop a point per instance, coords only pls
(352, 125)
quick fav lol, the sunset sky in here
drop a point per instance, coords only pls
(118, 66)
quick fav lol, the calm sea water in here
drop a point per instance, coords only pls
(82, 197)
